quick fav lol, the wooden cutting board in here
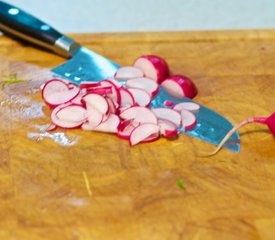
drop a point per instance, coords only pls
(90, 185)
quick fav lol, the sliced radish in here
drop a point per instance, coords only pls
(73, 112)
(110, 125)
(167, 128)
(139, 114)
(180, 86)
(128, 72)
(153, 67)
(115, 95)
(78, 99)
(61, 121)
(188, 120)
(127, 98)
(168, 114)
(141, 97)
(113, 106)
(142, 132)
(84, 85)
(152, 138)
(190, 106)
(125, 128)
(96, 101)
(144, 83)
(56, 92)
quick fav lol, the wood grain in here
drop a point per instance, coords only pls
(134, 194)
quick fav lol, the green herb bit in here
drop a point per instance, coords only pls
(180, 184)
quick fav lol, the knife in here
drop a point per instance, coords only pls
(86, 65)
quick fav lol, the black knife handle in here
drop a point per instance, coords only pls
(20, 24)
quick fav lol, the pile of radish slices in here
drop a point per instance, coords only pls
(123, 109)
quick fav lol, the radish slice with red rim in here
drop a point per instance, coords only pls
(115, 95)
(154, 67)
(142, 132)
(141, 97)
(180, 86)
(85, 84)
(125, 128)
(188, 120)
(63, 121)
(168, 114)
(190, 106)
(56, 92)
(139, 114)
(144, 83)
(167, 128)
(109, 125)
(127, 98)
(154, 137)
(97, 102)
(128, 72)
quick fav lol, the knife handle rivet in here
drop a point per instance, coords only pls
(13, 11)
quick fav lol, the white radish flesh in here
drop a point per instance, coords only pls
(127, 98)
(97, 101)
(110, 125)
(168, 114)
(125, 129)
(73, 112)
(144, 83)
(128, 72)
(142, 132)
(188, 120)
(139, 114)
(190, 106)
(141, 97)
(153, 67)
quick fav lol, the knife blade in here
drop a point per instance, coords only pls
(86, 65)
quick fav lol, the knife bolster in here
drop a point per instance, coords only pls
(66, 47)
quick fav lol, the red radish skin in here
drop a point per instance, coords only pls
(180, 86)
(168, 103)
(141, 97)
(188, 120)
(167, 128)
(146, 84)
(128, 72)
(168, 114)
(154, 67)
(139, 114)
(142, 132)
(84, 85)
(190, 106)
(125, 129)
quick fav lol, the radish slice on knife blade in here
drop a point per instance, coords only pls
(154, 67)
(188, 119)
(141, 97)
(146, 84)
(167, 128)
(168, 114)
(139, 114)
(180, 86)
(128, 72)
(142, 132)
(190, 106)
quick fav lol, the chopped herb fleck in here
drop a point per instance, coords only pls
(12, 79)
(180, 184)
